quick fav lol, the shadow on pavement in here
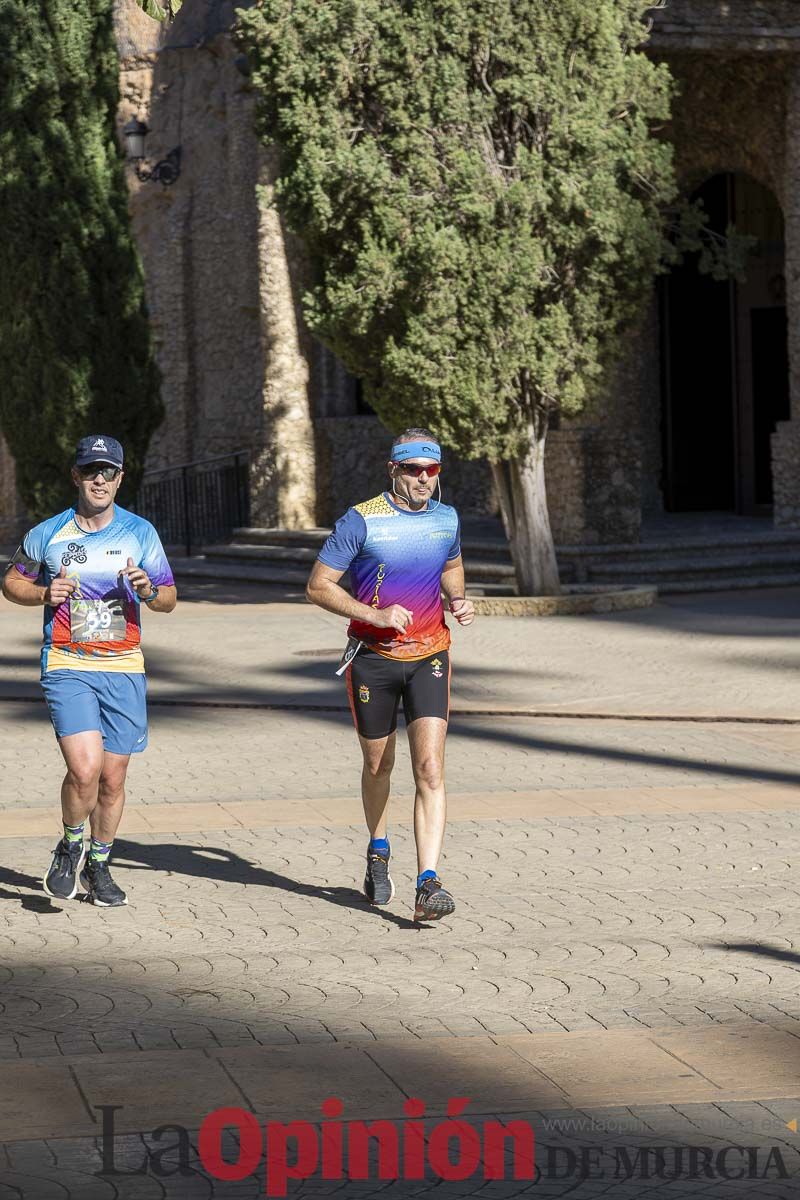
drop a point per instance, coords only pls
(724, 614)
(521, 732)
(211, 862)
(764, 951)
(464, 727)
(38, 903)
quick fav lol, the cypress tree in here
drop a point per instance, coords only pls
(75, 345)
(481, 193)
(160, 12)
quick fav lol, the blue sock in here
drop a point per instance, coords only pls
(425, 875)
(378, 846)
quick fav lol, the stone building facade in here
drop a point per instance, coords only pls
(738, 66)
(240, 370)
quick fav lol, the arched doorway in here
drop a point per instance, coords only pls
(725, 362)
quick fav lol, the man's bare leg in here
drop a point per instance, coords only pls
(426, 738)
(105, 820)
(376, 778)
(93, 788)
(110, 797)
(83, 754)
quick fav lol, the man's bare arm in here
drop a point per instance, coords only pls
(454, 588)
(166, 599)
(453, 583)
(20, 590)
(323, 589)
(143, 585)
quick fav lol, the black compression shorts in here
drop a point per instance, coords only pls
(376, 684)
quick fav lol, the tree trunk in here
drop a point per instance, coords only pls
(523, 504)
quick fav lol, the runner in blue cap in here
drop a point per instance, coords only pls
(92, 567)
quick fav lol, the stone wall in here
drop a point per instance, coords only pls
(222, 277)
(730, 115)
(733, 113)
(727, 25)
(786, 474)
(592, 477)
(741, 112)
(351, 466)
(644, 379)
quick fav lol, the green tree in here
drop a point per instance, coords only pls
(164, 11)
(75, 347)
(480, 191)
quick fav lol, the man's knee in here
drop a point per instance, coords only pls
(85, 774)
(112, 782)
(429, 771)
(379, 766)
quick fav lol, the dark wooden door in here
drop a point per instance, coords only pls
(725, 363)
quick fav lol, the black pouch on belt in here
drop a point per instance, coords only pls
(350, 651)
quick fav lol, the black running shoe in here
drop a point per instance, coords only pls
(103, 892)
(61, 881)
(378, 885)
(433, 902)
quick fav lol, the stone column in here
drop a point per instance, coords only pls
(282, 480)
(786, 438)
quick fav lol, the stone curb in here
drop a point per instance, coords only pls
(574, 601)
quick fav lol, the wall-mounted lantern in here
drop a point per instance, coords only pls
(164, 172)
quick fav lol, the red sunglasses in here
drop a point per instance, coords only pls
(416, 470)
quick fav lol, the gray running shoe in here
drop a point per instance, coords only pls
(61, 881)
(103, 892)
(433, 902)
(378, 885)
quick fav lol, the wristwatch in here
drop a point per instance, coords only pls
(149, 599)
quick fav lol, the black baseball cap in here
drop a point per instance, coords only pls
(97, 448)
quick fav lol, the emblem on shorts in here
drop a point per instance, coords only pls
(436, 664)
(73, 553)
(363, 694)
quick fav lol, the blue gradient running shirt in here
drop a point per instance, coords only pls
(396, 556)
(98, 628)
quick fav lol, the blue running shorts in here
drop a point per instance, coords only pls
(110, 701)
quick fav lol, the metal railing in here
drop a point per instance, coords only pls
(198, 502)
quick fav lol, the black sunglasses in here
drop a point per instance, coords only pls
(93, 469)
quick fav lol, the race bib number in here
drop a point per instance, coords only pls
(96, 621)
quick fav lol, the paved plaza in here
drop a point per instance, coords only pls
(621, 972)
